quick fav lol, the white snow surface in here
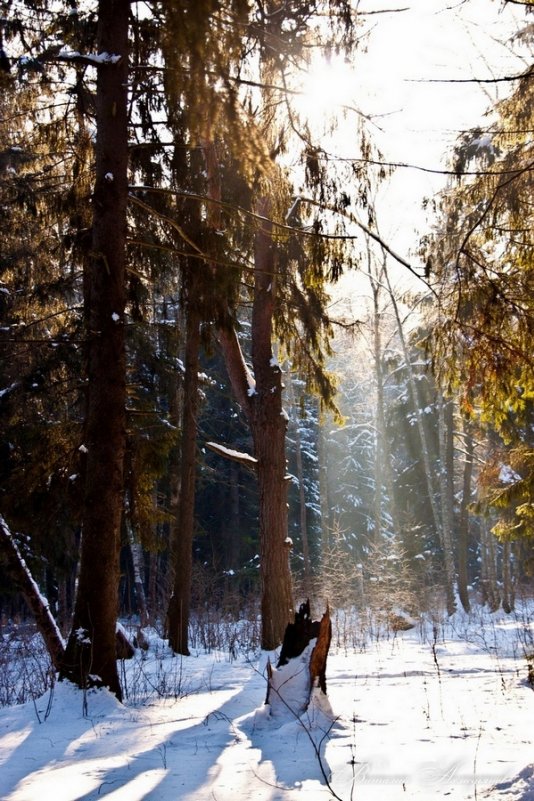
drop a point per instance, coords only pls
(438, 712)
(507, 475)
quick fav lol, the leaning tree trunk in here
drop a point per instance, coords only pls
(38, 605)
(90, 655)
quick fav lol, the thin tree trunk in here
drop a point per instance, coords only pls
(303, 517)
(446, 506)
(91, 649)
(490, 592)
(463, 522)
(179, 607)
(380, 419)
(326, 523)
(136, 552)
(507, 588)
(425, 452)
(38, 605)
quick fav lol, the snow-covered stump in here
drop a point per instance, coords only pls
(301, 668)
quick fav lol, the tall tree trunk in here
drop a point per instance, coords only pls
(179, 607)
(324, 492)
(269, 424)
(379, 416)
(463, 522)
(425, 452)
(260, 396)
(91, 646)
(446, 501)
(303, 516)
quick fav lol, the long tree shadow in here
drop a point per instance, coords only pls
(87, 758)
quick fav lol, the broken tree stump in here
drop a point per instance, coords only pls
(293, 680)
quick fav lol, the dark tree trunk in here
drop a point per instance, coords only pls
(261, 399)
(91, 649)
(269, 424)
(297, 637)
(179, 607)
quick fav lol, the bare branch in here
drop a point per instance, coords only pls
(505, 78)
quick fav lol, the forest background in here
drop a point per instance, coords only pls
(174, 439)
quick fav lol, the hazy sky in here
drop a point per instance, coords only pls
(415, 120)
(435, 39)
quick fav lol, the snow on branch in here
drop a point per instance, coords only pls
(236, 456)
(94, 59)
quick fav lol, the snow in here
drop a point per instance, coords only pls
(115, 317)
(230, 453)
(439, 712)
(109, 177)
(93, 58)
(9, 389)
(507, 475)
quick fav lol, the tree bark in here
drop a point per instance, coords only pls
(38, 605)
(269, 424)
(90, 656)
(260, 396)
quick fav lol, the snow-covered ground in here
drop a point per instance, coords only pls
(441, 711)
